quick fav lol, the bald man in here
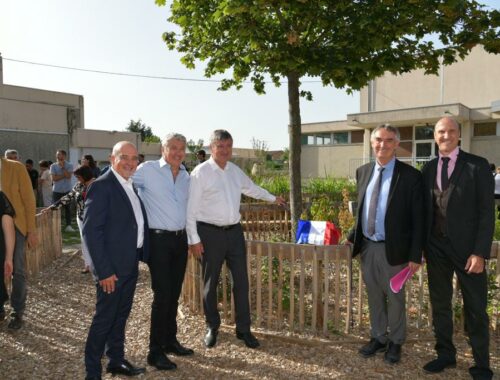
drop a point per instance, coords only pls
(460, 222)
(113, 229)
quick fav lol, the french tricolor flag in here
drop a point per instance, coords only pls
(318, 233)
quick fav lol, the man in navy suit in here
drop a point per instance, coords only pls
(388, 237)
(113, 229)
(460, 221)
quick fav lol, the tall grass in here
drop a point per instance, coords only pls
(330, 187)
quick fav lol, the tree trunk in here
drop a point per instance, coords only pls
(294, 130)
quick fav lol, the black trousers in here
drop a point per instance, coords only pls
(219, 246)
(442, 262)
(167, 264)
(67, 208)
(108, 325)
(4, 296)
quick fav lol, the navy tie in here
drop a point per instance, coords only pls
(372, 210)
(444, 174)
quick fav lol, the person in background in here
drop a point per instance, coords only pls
(7, 243)
(388, 238)
(45, 183)
(215, 234)
(114, 223)
(460, 221)
(497, 191)
(141, 158)
(88, 160)
(16, 185)
(201, 156)
(61, 172)
(33, 173)
(85, 177)
(11, 154)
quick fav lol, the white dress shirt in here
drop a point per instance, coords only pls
(215, 194)
(136, 205)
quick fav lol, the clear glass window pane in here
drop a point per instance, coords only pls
(341, 137)
(424, 133)
(424, 149)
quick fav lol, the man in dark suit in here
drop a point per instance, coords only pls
(459, 230)
(388, 235)
(113, 229)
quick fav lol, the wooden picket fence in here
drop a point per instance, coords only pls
(314, 289)
(48, 227)
(266, 222)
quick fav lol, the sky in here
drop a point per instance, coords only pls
(125, 36)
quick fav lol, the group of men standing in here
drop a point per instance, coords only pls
(446, 212)
(153, 213)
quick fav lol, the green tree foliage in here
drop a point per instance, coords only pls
(145, 131)
(345, 43)
(194, 147)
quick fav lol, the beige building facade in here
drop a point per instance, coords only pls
(467, 91)
(39, 122)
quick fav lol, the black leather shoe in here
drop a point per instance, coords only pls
(439, 365)
(248, 338)
(481, 373)
(125, 368)
(160, 361)
(16, 322)
(2, 313)
(393, 353)
(371, 348)
(177, 349)
(211, 337)
(92, 377)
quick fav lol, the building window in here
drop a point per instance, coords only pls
(341, 138)
(357, 137)
(346, 137)
(425, 132)
(485, 129)
(324, 139)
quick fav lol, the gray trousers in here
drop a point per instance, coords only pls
(19, 290)
(219, 246)
(387, 309)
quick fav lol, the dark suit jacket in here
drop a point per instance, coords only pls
(404, 216)
(110, 228)
(470, 216)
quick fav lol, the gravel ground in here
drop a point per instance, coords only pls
(60, 308)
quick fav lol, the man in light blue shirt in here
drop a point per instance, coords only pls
(163, 186)
(388, 238)
(379, 233)
(61, 172)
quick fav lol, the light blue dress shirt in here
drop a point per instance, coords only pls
(165, 200)
(382, 200)
(63, 185)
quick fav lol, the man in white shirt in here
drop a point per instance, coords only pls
(215, 233)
